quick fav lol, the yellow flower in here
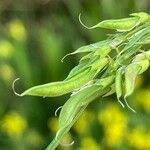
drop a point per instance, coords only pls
(112, 114)
(143, 97)
(17, 30)
(138, 138)
(13, 124)
(88, 143)
(114, 134)
(53, 124)
(83, 122)
(6, 72)
(115, 124)
(6, 49)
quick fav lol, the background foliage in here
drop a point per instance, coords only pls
(34, 36)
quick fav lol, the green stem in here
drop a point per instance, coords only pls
(53, 145)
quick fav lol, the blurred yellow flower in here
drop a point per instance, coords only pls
(112, 114)
(115, 124)
(53, 124)
(139, 139)
(6, 72)
(13, 124)
(6, 49)
(17, 30)
(66, 142)
(81, 125)
(34, 139)
(89, 143)
(114, 134)
(143, 97)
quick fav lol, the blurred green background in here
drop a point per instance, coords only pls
(34, 36)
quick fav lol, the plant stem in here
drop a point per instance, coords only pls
(53, 145)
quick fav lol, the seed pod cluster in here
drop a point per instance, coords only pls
(139, 64)
(108, 66)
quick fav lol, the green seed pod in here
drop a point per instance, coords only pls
(142, 16)
(131, 73)
(145, 42)
(144, 65)
(88, 48)
(102, 52)
(95, 62)
(91, 47)
(83, 97)
(139, 57)
(112, 91)
(63, 87)
(104, 82)
(118, 84)
(87, 57)
(78, 69)
(73, 105)
(124, 24)
(116, 41)
(142, 56)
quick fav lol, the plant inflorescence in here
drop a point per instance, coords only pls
(108, 66)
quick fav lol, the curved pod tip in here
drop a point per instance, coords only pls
(13, 87)
(83, 23)
(63, 144)
(57, 110)
(62, 60)
(125, 99)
